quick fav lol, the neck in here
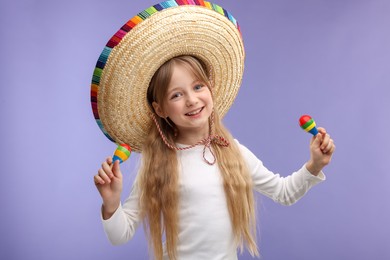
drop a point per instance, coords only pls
(190, 137)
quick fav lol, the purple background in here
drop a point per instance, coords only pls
(329, 59)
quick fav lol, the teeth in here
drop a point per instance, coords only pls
(194, 113)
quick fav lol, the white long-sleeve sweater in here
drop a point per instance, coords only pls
(205, 230)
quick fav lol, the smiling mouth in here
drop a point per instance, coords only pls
(193, 113)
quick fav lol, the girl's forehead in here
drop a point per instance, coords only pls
(183, 68)
(182, 74)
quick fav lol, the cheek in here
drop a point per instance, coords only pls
(209, 99)
(207, 96)
(174, 108)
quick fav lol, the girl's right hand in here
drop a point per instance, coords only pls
(108, 181)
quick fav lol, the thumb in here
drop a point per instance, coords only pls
(317, 139)
(116, 169)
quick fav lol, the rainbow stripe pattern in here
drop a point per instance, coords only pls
(307, 123)
(118, 36)
(122, 153)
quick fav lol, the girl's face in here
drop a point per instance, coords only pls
(188, 102)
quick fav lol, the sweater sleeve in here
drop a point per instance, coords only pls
(284, 190)
(122, 225)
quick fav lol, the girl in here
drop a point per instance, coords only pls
(161, 85)
(201, 197)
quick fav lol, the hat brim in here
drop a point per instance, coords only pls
(122, 108)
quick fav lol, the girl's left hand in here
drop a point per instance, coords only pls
(321, 151)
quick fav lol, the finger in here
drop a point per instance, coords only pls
(321, 130)
(331, 148)
(116, 169)
(325, 142)
(316, 140)
(104, 176)
(98, 180)
(108, 169)
(328, 146)
(109, 160)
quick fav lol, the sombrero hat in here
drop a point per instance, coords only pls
(149, 39)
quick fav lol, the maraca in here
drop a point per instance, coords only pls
(307, 123)
(122, 153)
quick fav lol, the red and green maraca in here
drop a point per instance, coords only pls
(122, 153)
(307, 123)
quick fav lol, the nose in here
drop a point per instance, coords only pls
(191, 100)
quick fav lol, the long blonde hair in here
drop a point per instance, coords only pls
(158, 179)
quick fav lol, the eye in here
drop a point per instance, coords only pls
(176, 95)
(198, 87)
